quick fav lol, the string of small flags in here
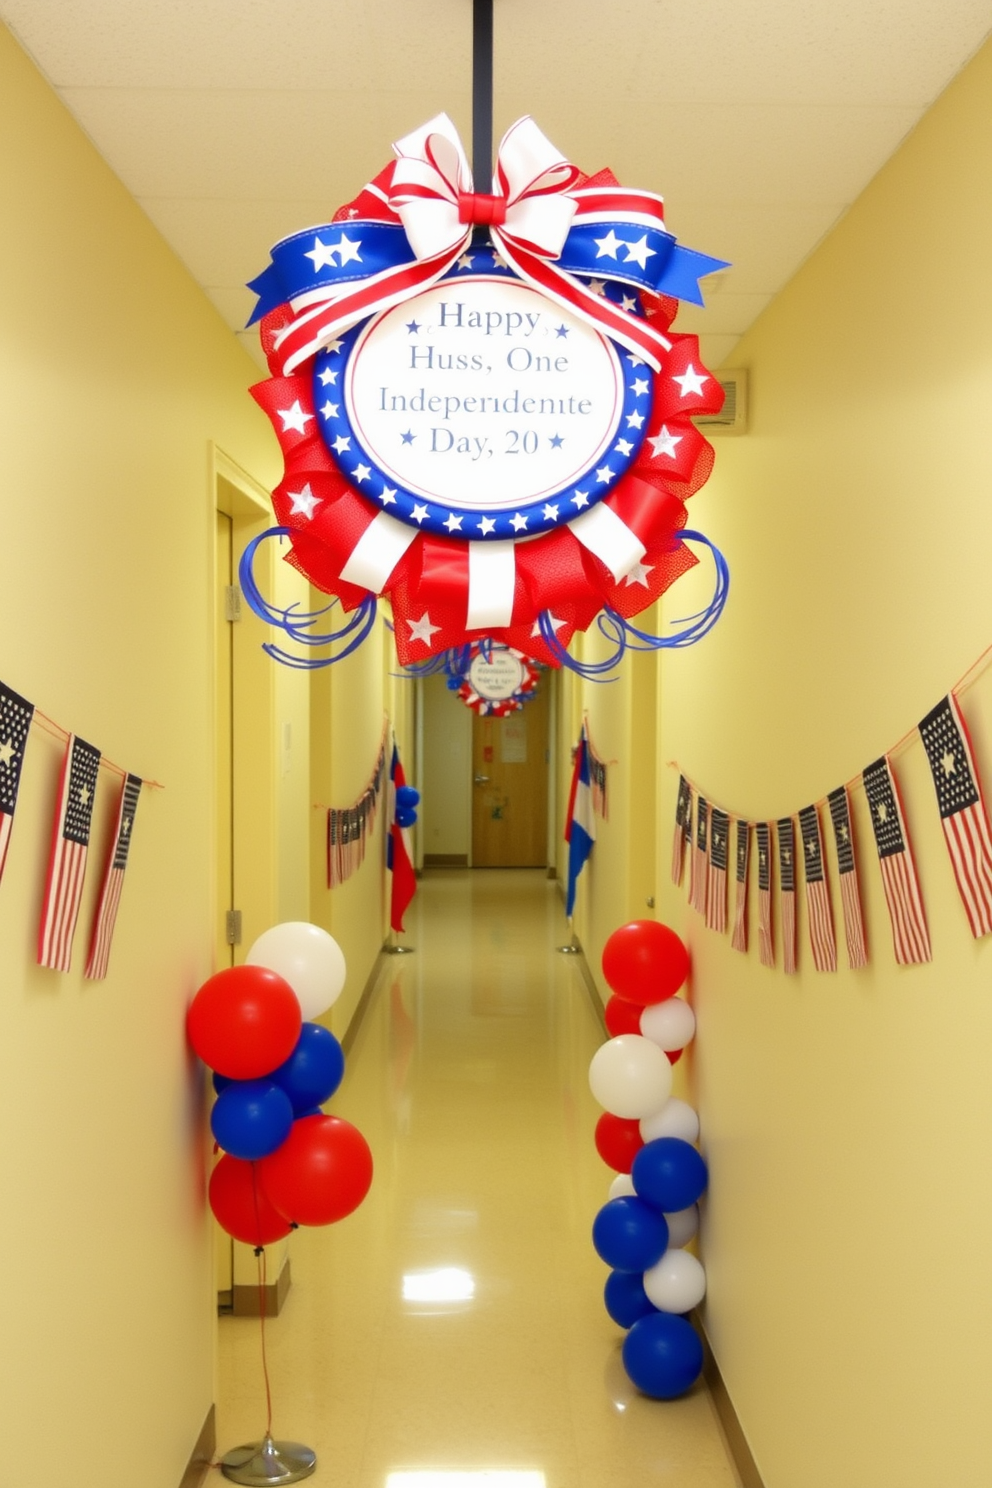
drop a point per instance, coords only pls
(66, 873)
(703, 837)
(349, 827)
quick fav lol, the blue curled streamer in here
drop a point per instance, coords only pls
(615, 628)
(297, 623)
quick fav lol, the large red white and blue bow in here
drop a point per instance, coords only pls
(417, 220)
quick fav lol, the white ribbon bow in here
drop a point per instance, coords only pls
(432, 190)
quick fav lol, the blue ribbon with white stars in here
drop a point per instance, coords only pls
(332, 256)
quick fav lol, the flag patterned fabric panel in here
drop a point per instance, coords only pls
(110, 893)
(766, 934)
(67, 865)
(716, 882)
(819, 912)
(787, 872)
(739, 938)
(963, 814)
(15, 723)
(910, 937)
(683, 819)
(850, 892)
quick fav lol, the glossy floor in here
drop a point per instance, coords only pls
(451, 1333)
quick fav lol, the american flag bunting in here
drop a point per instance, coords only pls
(683, 827)
(963, 813)
(70, 845)
(766, 933)
(716, 880)
(787, 881)
(850, 895)
(910, 937)
(113, 882)
(15, 723)
(743, 846)
(699, 870)
(818, 908)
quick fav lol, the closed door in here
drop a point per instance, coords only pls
(510, 787)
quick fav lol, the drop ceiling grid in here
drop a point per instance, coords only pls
(234, 122)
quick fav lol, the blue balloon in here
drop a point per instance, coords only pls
(407, 795)
(313, 1071)
(625, 1298)
(629, 1235)
(405, 816)
(669, 1174)
(663, 1355)
(251, 1118)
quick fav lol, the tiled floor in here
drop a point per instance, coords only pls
(468, 1079)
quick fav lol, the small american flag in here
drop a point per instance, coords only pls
(850, 897)
(683, 827)
(766, 934)
(739, 939)
(895, 857)
(15, 722)
(787, 872)
(716, 882)
(70, 845)
(113, 882)
(963, 814)
(699, 870)
(818, 909)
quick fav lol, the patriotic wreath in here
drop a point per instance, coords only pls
(497, 680)
(475, 528)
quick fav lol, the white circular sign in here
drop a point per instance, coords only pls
(496, 679)
(482, 393)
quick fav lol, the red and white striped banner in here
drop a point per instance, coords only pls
(699, 870)
(716, 882)
(850, 895)
(683, 827)
(766, 932)
(787, 878)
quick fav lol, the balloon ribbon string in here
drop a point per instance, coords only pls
(262, 1288)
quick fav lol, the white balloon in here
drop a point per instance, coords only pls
(683, 1226)
(669, 1024)
(630, 1076)
(305, 956)
(677, 1283)
(622, 1187)
(675, 1119)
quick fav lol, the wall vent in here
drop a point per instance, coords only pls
(732, 418)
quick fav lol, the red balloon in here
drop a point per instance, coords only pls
(244, 1022)
(622, 1016)
(240, 1204)
(645, 962)
(321, 1172)
(674, 1055)
(618, 1141)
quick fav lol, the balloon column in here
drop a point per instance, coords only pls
(648, 1137)
(285, 1163)
(407, 801)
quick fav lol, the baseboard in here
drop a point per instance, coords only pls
(733, 1431)
(203, 1453)
(246, 1301)
(362, 1005)
(588, 981)
(445, 860)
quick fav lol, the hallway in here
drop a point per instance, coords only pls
(468, 1078)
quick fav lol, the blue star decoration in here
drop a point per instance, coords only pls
(443, 519)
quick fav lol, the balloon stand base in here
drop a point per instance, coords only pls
(570, 950)
(268, 1462)
(398, 950)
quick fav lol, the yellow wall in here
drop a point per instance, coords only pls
(115, 374)
(848, 1118)
(447, 771)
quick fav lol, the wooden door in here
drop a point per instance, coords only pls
(510, 787)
